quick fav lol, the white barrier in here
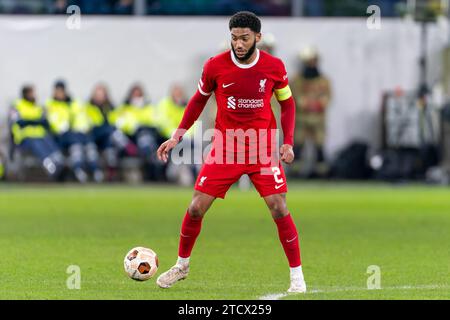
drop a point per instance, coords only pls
(160, 50)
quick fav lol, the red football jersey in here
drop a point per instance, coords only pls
(243, 93)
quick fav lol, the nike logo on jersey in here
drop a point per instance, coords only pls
(279, 186)
(227, 85)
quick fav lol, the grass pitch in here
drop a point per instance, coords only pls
(343, 229)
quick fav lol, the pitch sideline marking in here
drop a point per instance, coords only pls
(277, 296)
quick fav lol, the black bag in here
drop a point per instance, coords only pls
(400, 164)
(351, 163)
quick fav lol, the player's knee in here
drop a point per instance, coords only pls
(196, 209)
(277, 207)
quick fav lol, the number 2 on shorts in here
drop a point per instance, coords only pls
(276, 174)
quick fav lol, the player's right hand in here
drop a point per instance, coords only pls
(287, 153)
(164, 148)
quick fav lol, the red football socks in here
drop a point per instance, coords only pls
(288, 235)
(190, 229)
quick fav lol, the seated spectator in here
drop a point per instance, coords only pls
(136, 118)
(59, 7)
(170, 113)
(29, 128)
(124, 7)
(171, 110)
(95, 6)
(2, 167)
(83, 154)
(106, 136)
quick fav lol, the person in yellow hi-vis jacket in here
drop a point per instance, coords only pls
(170, 112)
(2, 167)
(63, 113)
(29, 129)
(137, 119)
(109, 140)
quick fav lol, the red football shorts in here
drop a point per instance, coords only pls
(215, 179)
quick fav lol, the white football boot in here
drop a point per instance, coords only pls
(174, 274)
(298, 284)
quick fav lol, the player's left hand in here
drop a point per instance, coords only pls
(287, 153)
(163, 150)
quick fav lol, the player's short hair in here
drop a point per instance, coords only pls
(245, 19)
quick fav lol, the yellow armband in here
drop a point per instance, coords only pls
(283, 93)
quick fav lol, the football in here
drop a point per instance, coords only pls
(141, 263)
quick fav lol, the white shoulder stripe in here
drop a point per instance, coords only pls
(203, 92)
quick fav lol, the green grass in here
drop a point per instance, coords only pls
(343, 228)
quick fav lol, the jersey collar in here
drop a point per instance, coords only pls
(244, 66)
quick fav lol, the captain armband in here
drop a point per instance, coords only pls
(283, 93)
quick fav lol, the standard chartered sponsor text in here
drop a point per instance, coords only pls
(250, 103)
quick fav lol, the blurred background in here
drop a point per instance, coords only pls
(89, 89)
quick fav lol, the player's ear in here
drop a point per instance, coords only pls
(258, 37)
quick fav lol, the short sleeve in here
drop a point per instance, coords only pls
(281, 87)
(206, 84)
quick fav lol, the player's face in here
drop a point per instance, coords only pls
(243, 42)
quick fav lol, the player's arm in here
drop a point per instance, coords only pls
(192, 112)
(287, 103)
(284, 96)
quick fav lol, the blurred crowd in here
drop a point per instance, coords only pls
(87, 140)
(311, 8)
(152, 7)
